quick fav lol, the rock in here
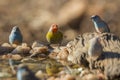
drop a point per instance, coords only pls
(68, 77)
(91, 75)
(39, 51)
(113, 72)
(37, 44)
(6, 48)
(78, 47)
(12, 56)
(78, 51)
(6, 45)
(63, 54)
(43, 49)
(28, 60)
(51, 78)
(22, 49)
(5, 74)
(53, 55)
(39, 74)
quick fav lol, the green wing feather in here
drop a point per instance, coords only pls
(54, 38)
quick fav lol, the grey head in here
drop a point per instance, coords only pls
(95, 18)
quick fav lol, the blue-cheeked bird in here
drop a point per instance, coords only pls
(100, 25)
(54, 36)
(15, 36)
(24, 73)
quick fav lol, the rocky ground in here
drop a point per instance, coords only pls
(70, 62)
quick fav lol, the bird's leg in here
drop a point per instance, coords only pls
(49, 47)
(59, 46)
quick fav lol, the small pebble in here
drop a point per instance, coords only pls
(63, 54)
(40, 74)
(36, 44)
(6, 45)
(14, 57)
(68, 77)
(51, 78)
(24, 50)
(53, 55)
(5, 74)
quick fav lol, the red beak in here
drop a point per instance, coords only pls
(54, 28)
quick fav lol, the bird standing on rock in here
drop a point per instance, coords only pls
(54, 36)
(94, 49)
(15, 36)
(100, 25)
(24, 73)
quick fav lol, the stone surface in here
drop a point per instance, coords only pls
(107, 61)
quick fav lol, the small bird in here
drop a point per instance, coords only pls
(100, 25)
(15, 36)
(24, 73)
(54, 36)
(94, 49)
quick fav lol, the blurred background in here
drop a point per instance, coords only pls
(34, 17)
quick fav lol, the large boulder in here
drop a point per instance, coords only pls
(108, 61)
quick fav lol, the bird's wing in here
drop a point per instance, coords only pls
(107, 27)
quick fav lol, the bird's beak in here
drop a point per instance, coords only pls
(55, 29)
(91, 17)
